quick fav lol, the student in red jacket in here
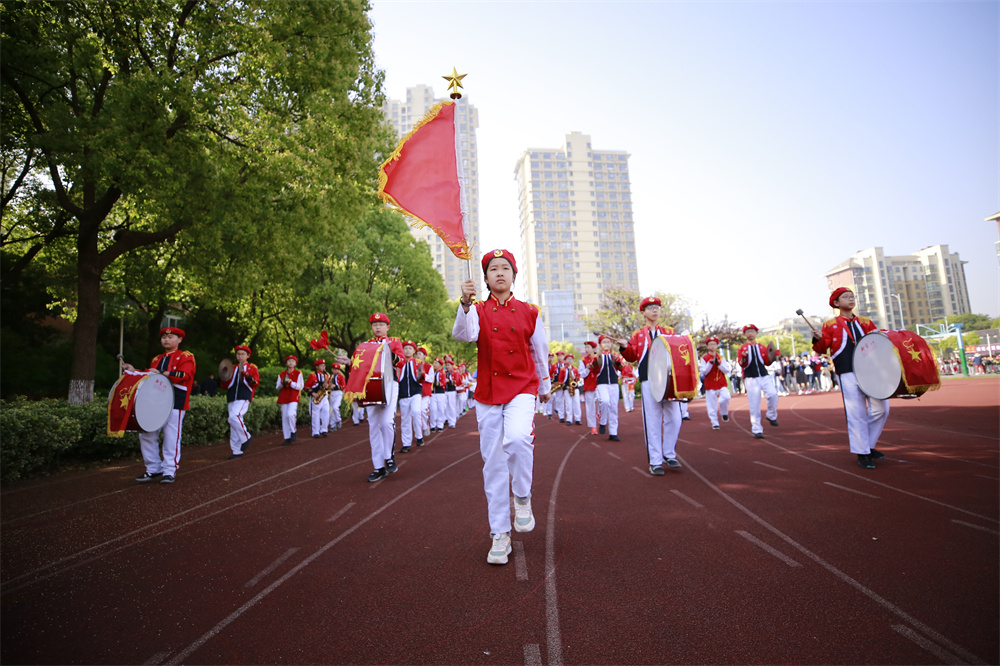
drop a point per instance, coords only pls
(865, 416)
(290, 383)
(513, 369)
(589, 384)
(410, 397)
(240, 390)
(754, 358)
(714, 369)
(179, 367)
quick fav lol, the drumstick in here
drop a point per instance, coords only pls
(799, 312)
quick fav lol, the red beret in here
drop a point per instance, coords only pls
(649, 300)
(171, 329)
(559, 351)
(604, 337)
(836, 294)
(244, 348)
(591, 343)
(335, 366)
(749, 326)
(378, 316)
(712, 338)
(407, 343)
(499, 253)
(570, 356)
(319, 361)
(292, 356)
(421, 349)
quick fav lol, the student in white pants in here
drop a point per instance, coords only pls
(714, 369)
(336, 396)
(574, 411)
(589, 384)
(754, 358)
(289, 385)
(319, 412)
(607, 366)
(240, 391)
(410, 396)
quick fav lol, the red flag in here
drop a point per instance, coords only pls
(423, 178)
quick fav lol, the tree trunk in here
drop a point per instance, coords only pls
(88, 317)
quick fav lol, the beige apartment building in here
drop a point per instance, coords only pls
(902, 291)
(577, 231)
(403, 115)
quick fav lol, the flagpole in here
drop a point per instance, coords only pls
(454, 83)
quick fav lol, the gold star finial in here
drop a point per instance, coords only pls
(454, 83)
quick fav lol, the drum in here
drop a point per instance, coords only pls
(672, 368)
(879, 365)
(140, 402)
(377, 386)
(658, 368)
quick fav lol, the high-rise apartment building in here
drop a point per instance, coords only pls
(902, 291)
(577, 232)
(403, 116)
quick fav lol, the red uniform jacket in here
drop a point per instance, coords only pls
(316, 378)
(249, 379)
(590, 381)
(287, 395)
(180, 371)
(396, 347)
(835, 334)
(628, 375)
(425, 386)
(506, 366)
(715, 378)
(638, 348)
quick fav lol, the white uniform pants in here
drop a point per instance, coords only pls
(547, 407)
(684, 410)
(574, 412)
(461, 402)
(439, 409)
(661, 424)
(425, 407)
(320, 417)
(150, 445)
(506, 442)
(628, 391)
(590, 397)
(559, 403)
(289, 412)
(357, 413)
(608, 395)
(717, 401)
(755, 386)
(450, 405)
(410, 421)
(865, 416)
(382, 427)
(336, 398)
(238, 432)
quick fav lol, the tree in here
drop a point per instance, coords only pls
(233, 125)
(619, 314)
(970, 322)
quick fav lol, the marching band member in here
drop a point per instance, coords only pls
(589, 384)
(753, 357)
(290, 385)
(865, 416)
(240, 390)
(714, 369)
(337, 384)
(547, 407)
(512, 348)
(410, 396)
(573, 410)
(426, 387)
(628, 386)
(451, 399)
(179, 367)
(661, 421)
(317, 386)
(607, 366)
(461, 390)
(439, 406)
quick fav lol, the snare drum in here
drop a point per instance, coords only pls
(139, 402)
(879, 360)
(377, 386)
(672, 368)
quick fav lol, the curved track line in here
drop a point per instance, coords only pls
(553, 634)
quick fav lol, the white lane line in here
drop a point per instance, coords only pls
(235, 615)
(532, 655)
(881, 601)
(932, 647)
(688, 499)
(520, 564)
(642, 471)
(340, 513)
(975, 527)
(760, 544)
(615, 456)
(271, 567)
(763, 464)
(553, 634)
(156, 659)
(850, 490)
(725, 453)
(595, 444)
(991, 478)
(167, 519)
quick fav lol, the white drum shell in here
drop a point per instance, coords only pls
(658, 368)
(876, 366)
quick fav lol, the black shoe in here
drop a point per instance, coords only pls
(287, 442)
(235, 456)
(773, 422)
(316, 436)
(876, 455)
(294, 436)
(725, 417)
(147, 477)
(246, 445)
(865, 460)
(685, 418)
(656, 470)
(325, 434)
(578, 423)
(405, 449)
(601, 429)
(390, 465)
(758, 435)
(377, 475)
(716, 428)
(420, 442)
(167, 479)
(673, 463)
(550, 417)
(613, 438)
(562, 420)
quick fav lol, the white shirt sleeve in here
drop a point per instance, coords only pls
(539, 348)
(299, 383)
(584, 370)
(466, 328)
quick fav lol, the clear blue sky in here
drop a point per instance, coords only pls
(768, 140)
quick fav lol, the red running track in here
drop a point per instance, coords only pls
(779, 550)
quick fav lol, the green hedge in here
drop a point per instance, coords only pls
(38, 435)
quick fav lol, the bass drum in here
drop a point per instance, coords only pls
(377, 387)
(658, 368)
(153, 401)
(877, 367)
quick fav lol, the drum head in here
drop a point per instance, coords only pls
(658, 368)
(388, 375)
(876, 366)
(154, 400)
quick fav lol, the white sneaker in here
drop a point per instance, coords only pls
(524, 520)
(500, 549)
